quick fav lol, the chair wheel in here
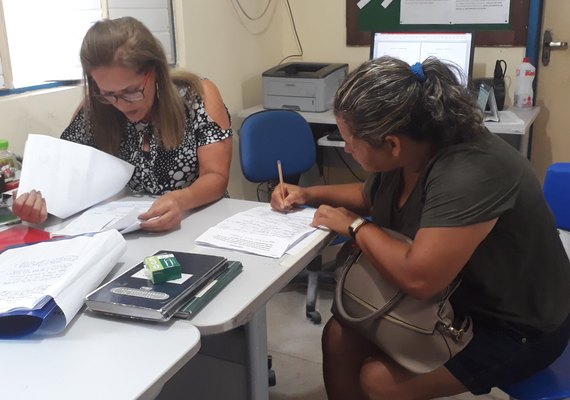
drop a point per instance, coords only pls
(272, 377)
(314, 316)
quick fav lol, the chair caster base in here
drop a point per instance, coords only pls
(314, 316)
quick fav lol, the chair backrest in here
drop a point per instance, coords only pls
(271, 135)
(557, 193)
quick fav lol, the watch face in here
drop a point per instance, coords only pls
(356, 224)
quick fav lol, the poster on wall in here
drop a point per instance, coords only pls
(443, 12)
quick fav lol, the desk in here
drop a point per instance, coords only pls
(517, 135)
(96, 358)
(116, 351)
(233, 325)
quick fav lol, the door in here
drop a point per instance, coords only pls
(551, 130)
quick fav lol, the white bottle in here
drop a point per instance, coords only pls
(9, 166)
(523, 93)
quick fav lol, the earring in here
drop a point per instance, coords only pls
(156, 89)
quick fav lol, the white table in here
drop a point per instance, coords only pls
(517, 134)
(100, 357)
(233, 326)
(96, 358)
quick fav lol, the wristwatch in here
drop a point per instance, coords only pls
(355, 226)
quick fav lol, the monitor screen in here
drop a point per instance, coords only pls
(413, 47)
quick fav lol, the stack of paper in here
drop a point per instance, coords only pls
(70, 176)
(260, 230)
(121, 215)
(42, 286)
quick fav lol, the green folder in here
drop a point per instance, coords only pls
(211, 289)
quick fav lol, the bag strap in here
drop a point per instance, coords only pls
(385, 309)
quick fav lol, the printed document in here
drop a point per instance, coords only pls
(62, 270)
(260, 230)
(71, 176)
(122, 215)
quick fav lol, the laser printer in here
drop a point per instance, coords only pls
(302, 86)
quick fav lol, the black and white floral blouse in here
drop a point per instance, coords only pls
(159, 170)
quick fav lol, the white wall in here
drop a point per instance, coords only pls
(216, 41)
(47, 112)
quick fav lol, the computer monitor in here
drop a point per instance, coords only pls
(413, 47)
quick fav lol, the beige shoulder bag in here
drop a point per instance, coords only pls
(417, 334)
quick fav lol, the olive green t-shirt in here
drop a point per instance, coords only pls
(520, 272)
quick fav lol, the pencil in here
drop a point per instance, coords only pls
(280, 171)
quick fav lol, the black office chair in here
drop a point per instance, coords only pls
(271, 135)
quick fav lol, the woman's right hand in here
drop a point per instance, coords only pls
(31, 207)
(288, 198)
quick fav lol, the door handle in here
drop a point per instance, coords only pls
(548, 45)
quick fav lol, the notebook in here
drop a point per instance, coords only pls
(210, 290)
(133, 295)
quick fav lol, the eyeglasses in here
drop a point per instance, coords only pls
(131, 96)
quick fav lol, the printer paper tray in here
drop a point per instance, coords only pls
(291, 103)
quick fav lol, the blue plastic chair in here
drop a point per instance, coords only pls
(552, 383)
(271, 135)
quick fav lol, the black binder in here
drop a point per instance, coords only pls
(133, 295)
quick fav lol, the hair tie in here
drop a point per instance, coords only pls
(418, 71)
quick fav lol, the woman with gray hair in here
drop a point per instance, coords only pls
(171, 125)
(472, 206)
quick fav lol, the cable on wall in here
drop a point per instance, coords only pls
(296, 35)
(340, 155)
(250, 17)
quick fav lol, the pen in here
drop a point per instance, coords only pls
(280, 171)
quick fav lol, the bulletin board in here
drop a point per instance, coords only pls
(374, 17)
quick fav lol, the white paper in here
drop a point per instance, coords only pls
(261, 231)
(65, 270)
(426, 11)
(121, 215)
(510, 118)
(565, 238)
(444, 12)
(481, 12)
(70, 176)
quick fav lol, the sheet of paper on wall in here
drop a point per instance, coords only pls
(122, 215)
(71, 177)
(60, 272)
(261, 231)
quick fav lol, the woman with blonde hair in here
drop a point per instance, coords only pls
(171, 125)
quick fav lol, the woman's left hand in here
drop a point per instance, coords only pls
(165, 214)
(337, 219)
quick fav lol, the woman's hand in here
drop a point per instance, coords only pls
(337, 219)
(165, 214)
(31, 207)
(289, 197)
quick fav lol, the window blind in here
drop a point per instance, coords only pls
(155, 14)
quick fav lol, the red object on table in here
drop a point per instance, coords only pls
(21, 235)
